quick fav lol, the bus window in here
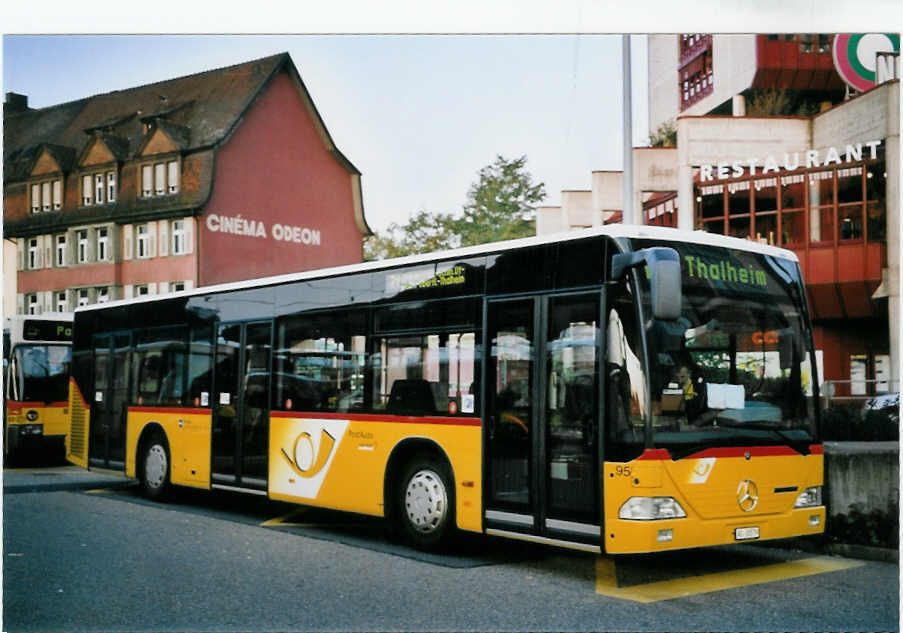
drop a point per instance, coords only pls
(428, 374)
(625, 393)
(159, 367)
(320, 362)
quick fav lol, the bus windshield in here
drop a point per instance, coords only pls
(40, 373)
(736, 368)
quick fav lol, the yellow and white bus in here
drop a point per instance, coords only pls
(621, 389)
(36, 354)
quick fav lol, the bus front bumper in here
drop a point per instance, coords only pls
(637, 537)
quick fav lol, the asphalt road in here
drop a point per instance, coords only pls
(83, 554)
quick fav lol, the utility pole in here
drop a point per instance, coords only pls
(627, 213)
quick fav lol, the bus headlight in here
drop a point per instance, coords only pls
(809, 498)
(651, 509)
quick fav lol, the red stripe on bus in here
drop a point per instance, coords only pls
(376, 417)
(741, 451)
(817, 449)
(182, 410)
(654, 453)
(35, 405)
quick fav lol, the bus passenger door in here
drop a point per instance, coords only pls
(571, 417)
(241, 406)
(109, 409)
(542, 418)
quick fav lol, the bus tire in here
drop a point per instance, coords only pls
(154, 468)
(426, 502)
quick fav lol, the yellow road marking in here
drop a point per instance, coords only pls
(607, 585)
(101, 491)
(284, 520)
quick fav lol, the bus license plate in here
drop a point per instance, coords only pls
(746, 533)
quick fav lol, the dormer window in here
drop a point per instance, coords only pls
(47, 195)
(99, 188)
(159, 179)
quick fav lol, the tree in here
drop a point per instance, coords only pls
(423, 233)
(501, 205)
(664, 136)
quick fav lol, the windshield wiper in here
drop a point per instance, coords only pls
(763, 425)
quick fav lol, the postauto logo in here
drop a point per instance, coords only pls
(302, 453)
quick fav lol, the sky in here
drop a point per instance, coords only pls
(418, 115)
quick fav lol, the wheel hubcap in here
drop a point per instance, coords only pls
(155, 466)
(426, 501)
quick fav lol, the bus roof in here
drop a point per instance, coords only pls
(611, 230)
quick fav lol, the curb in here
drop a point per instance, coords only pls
(12, 489)
(864, 552)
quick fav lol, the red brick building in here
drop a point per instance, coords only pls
(220, 176)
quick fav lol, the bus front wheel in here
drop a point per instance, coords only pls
(154, 472)
(426, 503)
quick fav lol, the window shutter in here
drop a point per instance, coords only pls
(163, 228)
(57, 194)
(128, 231)
(48, 301)
(164, 287)
(48, 251)
(151, 239)
(115, 245)
(189, 235)
(189, 284)
(20, 303)
(20, 254)
(39, 255)
(71, 247)
(151, 289)
(92, 245)
(129, 291)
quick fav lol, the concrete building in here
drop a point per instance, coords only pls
(825, 184)
(220, 176)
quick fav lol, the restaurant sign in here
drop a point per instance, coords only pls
(789, 162)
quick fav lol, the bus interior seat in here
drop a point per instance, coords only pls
(410, 397)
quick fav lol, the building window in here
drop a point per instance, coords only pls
(99, 188)
(103, 294)
(87, 191)
(147, 181)
(61, 303)
(142, 290)
(34, 253)
(61, 250)
(81, 240)
(46, 196)
(83, 297)
(160, 179)
(178, 286)
(142, 243)
(178, 237)
(798, 209)
(172, 182)
(31, 304)
(111, 186)
(103, 244)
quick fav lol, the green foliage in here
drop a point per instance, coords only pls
(424, 233)
(664, 136)
(846, 423)
(778, 103)
(501, 205)
(875, 529)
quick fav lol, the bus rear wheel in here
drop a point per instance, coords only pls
(154, 470)
(426, 503)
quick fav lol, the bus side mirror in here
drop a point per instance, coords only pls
(663, 271)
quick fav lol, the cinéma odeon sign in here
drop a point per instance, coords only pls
(790, 162)
(238, 225)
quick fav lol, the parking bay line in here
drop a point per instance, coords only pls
(607, 584)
